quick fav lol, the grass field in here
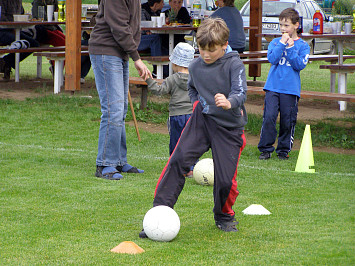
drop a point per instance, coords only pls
(54, 211)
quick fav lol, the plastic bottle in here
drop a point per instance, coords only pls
(317, 23)
(61, 10)
(196, 15)
(298, 8)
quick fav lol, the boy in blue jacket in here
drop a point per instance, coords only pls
(288, 55)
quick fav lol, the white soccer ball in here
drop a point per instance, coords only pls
(161, 223)
(203, 172)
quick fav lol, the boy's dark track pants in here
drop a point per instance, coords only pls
(200, 134)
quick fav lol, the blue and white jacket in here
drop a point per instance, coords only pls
(286, 64)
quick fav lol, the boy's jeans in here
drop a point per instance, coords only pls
(112, 81)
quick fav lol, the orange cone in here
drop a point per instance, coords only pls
(128, 247)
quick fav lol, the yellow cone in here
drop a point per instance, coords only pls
(305, 157)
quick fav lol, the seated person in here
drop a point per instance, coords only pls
(150, 41)
(7, 36)
(53, 35)
(231, 15)
(49, 34)
(180, 15)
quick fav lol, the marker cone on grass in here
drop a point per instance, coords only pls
(305, 157)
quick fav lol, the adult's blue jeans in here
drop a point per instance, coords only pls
(112, 81)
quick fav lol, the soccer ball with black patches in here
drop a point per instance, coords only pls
(161, 223)
(203, 172)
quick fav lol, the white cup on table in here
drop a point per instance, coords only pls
(50, 10)
(155, 21)
(162, 17)
(55, 16)
(348, 27)
(338, 27)
(159, 22)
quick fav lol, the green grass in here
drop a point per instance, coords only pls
(54, 211)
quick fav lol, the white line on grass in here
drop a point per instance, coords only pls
(158, 158)
(31, 146)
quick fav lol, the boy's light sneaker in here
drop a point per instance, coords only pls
(227, 226)
(283, 156)
(265, 155)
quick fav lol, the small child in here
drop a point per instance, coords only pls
(217, 87)
(180, 107)
(288, 55)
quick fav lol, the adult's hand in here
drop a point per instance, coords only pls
(143, 70)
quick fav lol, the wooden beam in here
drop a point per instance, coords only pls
(72, 45)
(255, 42)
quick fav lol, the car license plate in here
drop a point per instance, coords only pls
(270, 26)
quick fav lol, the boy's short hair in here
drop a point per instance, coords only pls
(152, 2)
(291, 14)
(212, 32)
(228, 2)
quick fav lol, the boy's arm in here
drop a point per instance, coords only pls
(238, 93)
(192, 90)
(298, 60)
(275, 50)
(164, 88)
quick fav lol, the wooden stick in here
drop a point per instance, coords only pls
(134, 115)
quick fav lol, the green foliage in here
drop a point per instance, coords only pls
(344, 7)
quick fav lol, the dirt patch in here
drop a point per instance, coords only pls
(309, 110)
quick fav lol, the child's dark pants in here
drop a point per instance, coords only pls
(200, 134)
(287, 106)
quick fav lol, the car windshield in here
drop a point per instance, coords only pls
(270, 9)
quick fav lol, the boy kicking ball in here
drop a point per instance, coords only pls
(217, 88)
(288, 55)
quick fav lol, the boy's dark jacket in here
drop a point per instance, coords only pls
(226, 76)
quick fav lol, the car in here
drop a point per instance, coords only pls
(270, 22)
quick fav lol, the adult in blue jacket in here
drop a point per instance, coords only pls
(231, 15)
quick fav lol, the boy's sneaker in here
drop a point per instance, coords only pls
(227, 226)
(283, 156)
(142, 234)
(265, 155)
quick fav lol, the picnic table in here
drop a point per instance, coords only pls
(18, 26)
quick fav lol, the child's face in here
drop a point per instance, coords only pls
(286, 26)
(212, 54)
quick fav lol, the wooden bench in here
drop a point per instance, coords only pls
(327, 58)
(139, 82)
(58, 58)
(256, 90)
(311, 94)
(342, 71)
(163, 60)
(40, 49)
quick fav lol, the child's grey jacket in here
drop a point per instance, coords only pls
(176, 86)
(226, 76)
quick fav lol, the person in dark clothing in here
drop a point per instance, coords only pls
(7, 36)
(181, 16)
(217, 88)
(231, 15)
